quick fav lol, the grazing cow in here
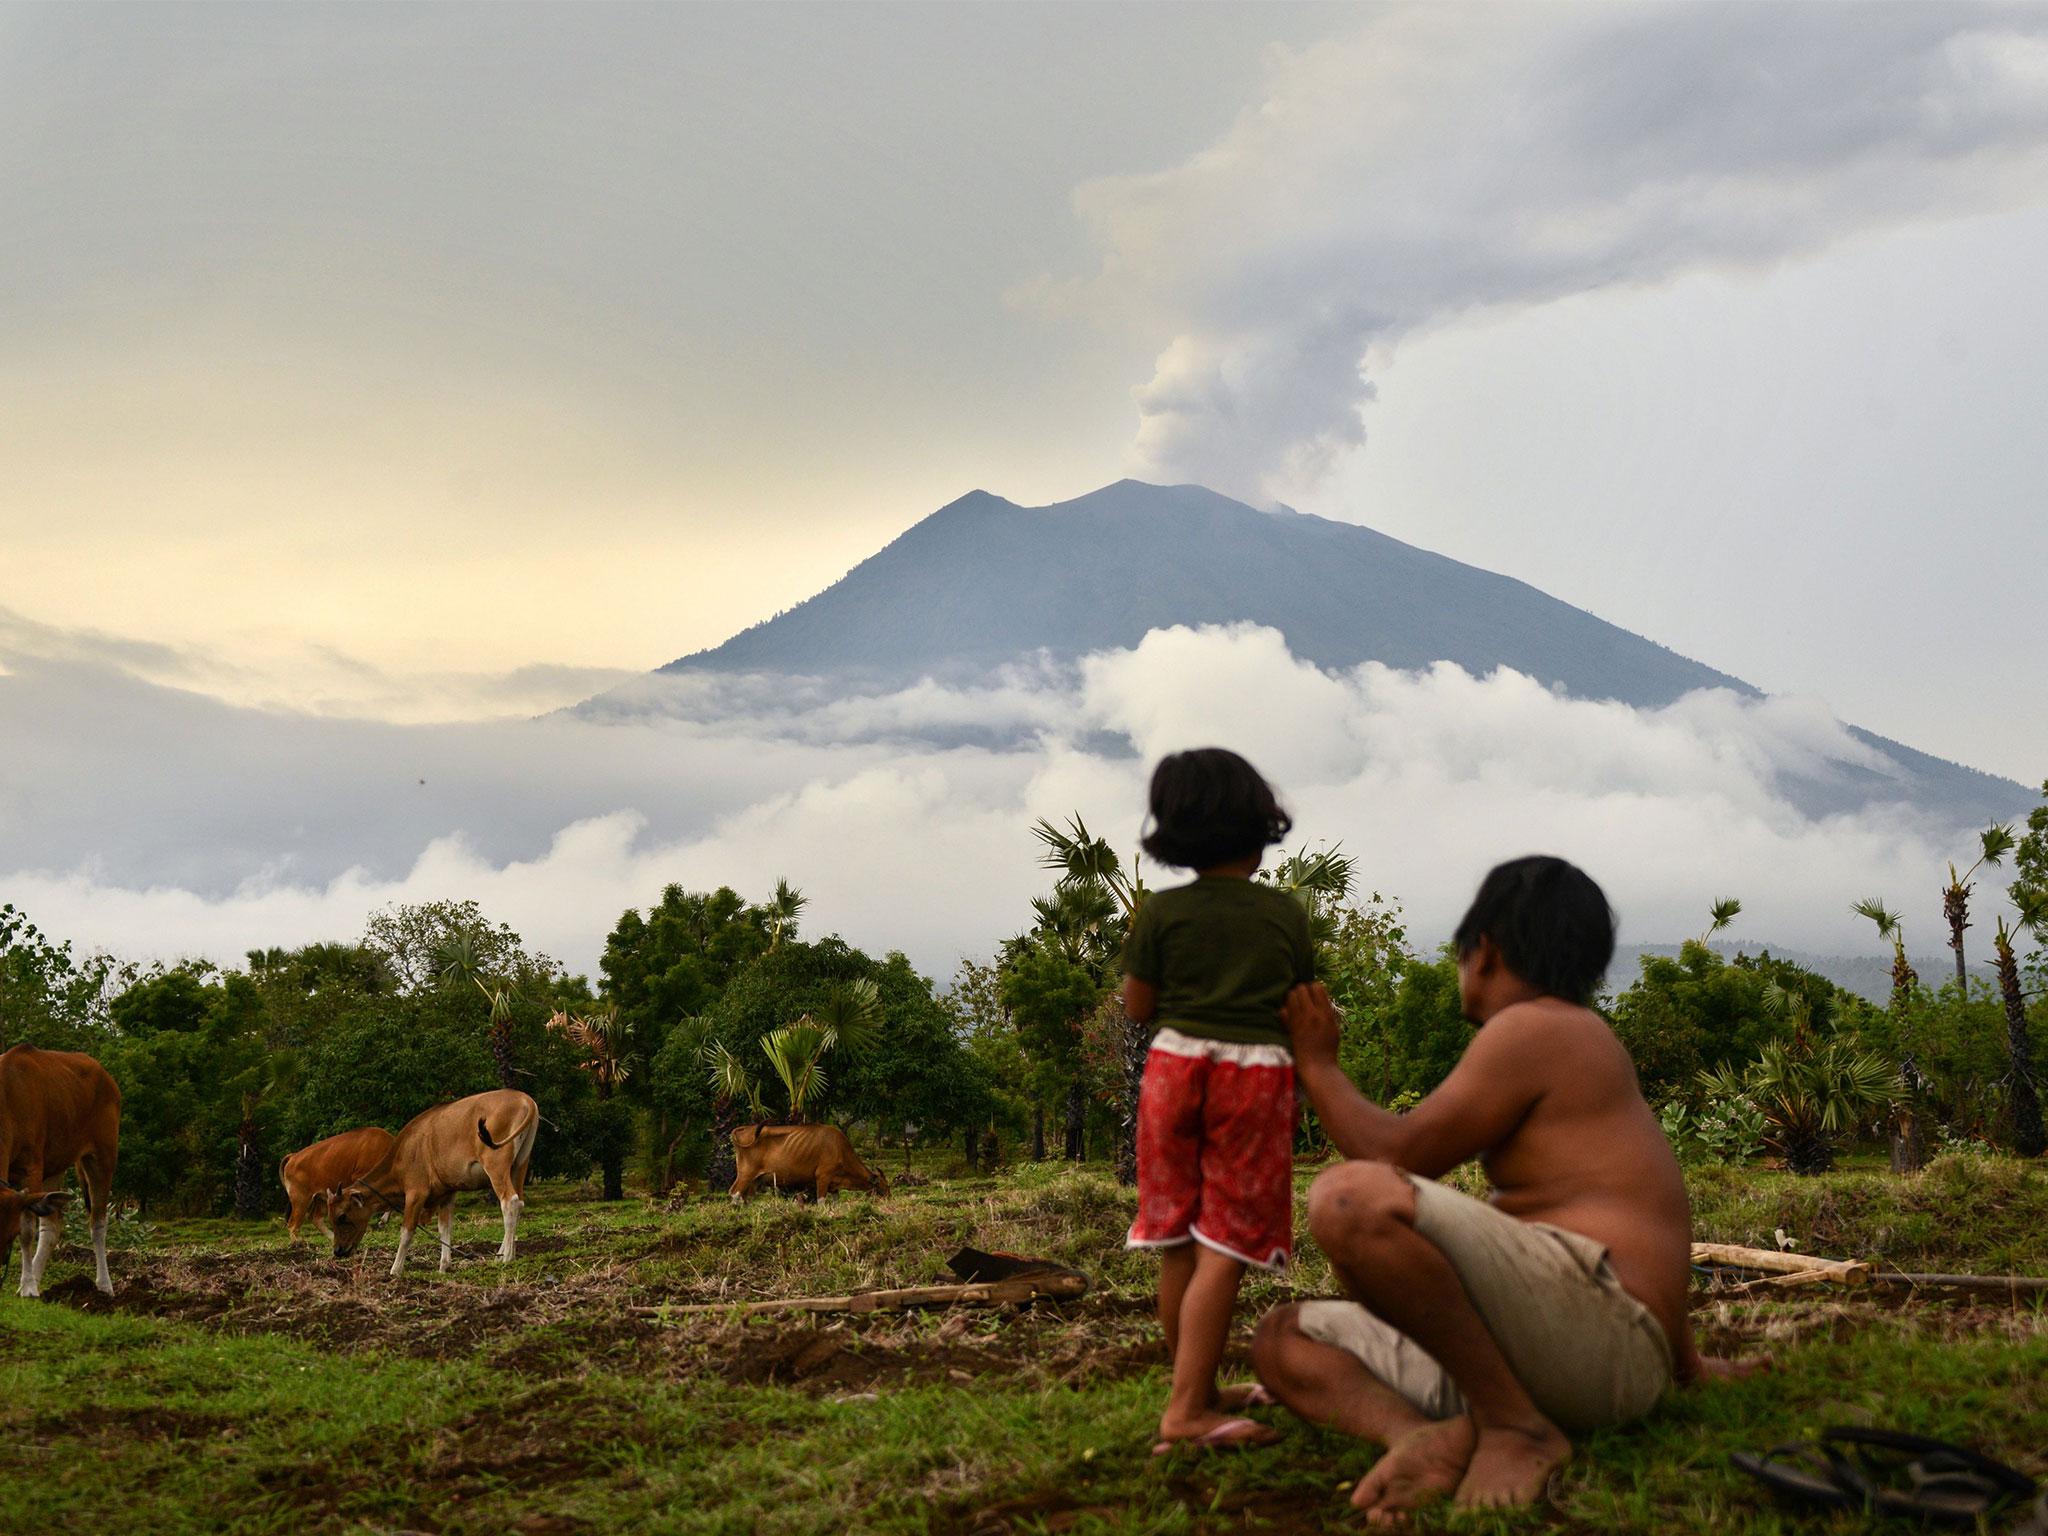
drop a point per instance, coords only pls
(483, 1140)
(817, 1155)
(58, 1110)
(311, 1172)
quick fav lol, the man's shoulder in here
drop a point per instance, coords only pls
(1548, 1022)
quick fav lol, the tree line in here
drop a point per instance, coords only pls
(711, 1011)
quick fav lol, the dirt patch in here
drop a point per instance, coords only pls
(131, 1424)
(1280, 1511)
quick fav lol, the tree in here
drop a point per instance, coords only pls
(413, 938)
(605, 1041)
(1907, 1146)
(1993, 844)
(1720, 915)
(782, 911)
(47, 996)
(2023, 1101)
(974, 1007)
(459, 963)
(1810, 1089)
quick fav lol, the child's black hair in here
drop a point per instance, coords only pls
(1550, 922)
(1210, 807)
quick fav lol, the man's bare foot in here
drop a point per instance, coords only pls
(1511, 1466)
(1242, 1395)
(1421, 1466)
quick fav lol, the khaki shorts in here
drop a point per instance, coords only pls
(1585, 1350)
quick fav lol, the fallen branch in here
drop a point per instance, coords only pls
(1835, 1274)
(990, 1294)
(1842, 1271)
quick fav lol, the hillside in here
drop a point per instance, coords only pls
(983, 582)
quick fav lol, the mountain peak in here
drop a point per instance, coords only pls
(963, 593)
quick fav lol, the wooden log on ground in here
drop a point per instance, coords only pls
(1843, 1271)
(995, 1293)
(1831, 1274)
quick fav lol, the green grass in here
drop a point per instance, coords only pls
(239, 1386)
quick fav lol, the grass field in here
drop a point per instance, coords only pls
(236, 1384)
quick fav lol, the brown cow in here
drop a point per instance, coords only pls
(483, 1140)
(58, 1110)
(817, 1155)
(310, 1172)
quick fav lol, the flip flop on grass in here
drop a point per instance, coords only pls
(1248, 1394)
(1230, 1435)
(1860, 1468)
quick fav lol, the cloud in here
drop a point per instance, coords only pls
(302, 678)
(151, 822)
(1442, 158)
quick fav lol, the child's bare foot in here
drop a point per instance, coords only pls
(1212, 1429)
(1511, 1465)
(1421, 1466)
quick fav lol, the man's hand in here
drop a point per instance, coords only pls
(1312, 1022)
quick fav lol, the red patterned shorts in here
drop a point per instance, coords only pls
(1216, 1149)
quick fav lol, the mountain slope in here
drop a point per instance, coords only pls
(984, 582)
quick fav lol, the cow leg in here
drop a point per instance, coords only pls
(53, 1228)
(414, 1208)
(511, 1204)
(30, 1226)
(447, 1226)
(93, 1173)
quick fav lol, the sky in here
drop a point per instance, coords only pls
(368, 371)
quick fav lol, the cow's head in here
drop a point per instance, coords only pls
(15, 1204)
(350, 1210)
(881, 1181)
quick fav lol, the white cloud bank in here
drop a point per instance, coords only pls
(1444, 157)
(153, 823)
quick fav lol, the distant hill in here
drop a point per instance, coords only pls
(983, 582)
(1868, 976)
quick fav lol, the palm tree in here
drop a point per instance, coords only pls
(1719, 916)
(1319, 881)
(1993, 844)
(1083, 859)
(733, 1089)
(457, 962)
(782, 910)
(2023, 1100)
(1907, 1148)
(605, 1039)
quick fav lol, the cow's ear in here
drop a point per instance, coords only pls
(50, 1204)
(746, 1135)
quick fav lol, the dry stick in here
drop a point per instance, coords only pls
(1847, 1271)
(992, 1293)
(1854, 1274)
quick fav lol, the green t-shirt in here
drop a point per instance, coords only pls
(1222, 954)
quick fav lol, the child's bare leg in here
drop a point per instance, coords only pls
(1205, 1309)
(1176, 1269)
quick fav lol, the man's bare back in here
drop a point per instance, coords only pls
(1588, 1156)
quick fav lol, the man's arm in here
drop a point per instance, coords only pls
(1141, 1000)
(1475, 1109)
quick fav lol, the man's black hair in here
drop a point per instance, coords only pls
(1550, 922)
(1210, 807)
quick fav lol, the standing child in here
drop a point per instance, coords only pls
(1210, 963)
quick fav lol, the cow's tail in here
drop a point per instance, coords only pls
(484, 1132)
